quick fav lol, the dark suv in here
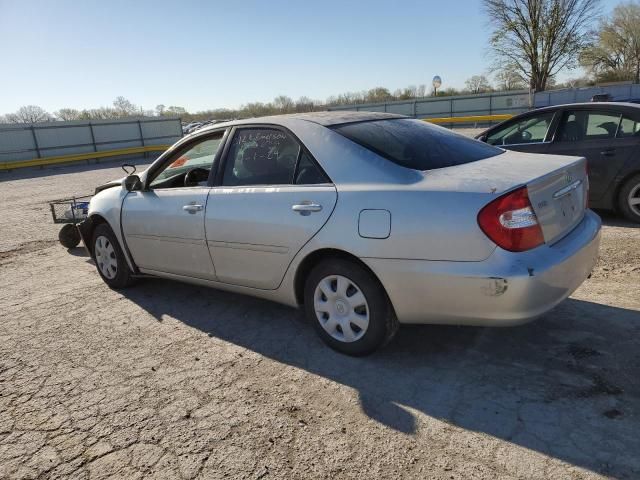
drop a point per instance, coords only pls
(607, 134)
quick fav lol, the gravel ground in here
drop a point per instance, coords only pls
(168, 380)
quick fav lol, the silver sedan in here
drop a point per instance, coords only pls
(365, 220)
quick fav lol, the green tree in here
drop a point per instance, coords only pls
(615, 54)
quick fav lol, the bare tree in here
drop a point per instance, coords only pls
(576, 82)
(256, 109)
(448, 92)
(509, 79)
(67, 114)
(284, 104)
(539, 37)
(379, 94)
(124, 108)
(616, 53)
(29, 114)
(305, 104)
(478, 84)
(160, 109)
(175, 111)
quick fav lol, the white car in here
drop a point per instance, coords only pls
(367, 220)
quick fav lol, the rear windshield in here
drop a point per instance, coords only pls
(416, 144)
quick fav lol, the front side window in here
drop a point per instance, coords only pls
(261, 156)
(529, 130)
(416, 144)
(198, 157)
(582, 125)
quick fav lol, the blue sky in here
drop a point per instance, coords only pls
(207, 54)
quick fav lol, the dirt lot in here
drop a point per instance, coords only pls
(168, 380)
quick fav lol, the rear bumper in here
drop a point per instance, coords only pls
(505, 289)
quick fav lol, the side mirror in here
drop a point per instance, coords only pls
(132, 182)
(128, 169)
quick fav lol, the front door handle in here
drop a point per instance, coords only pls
(609, 152)
(306, 208)
(192, 208)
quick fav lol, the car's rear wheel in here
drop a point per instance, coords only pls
(629, 199)
(110, 261)
(349, 307)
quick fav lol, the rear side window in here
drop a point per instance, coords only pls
(580, 125)
(308, 173)
(416, 144)
(628, 128)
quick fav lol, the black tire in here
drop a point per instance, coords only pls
(382, 322)
(630, 187)
(123, 275)
(69, 236)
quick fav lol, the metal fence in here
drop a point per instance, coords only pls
(28, 143)
(495, 103)
(575, 95)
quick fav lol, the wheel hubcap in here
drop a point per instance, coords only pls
(341, 308)
(106, 257)
(634, 199)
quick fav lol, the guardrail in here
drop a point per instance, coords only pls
(35, 162)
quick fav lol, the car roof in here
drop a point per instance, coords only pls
(608, 105)
(327, 119)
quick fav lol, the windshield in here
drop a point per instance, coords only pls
(416, 144)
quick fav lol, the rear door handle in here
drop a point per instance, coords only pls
(192, 208)
(306, 208)
(609, 152)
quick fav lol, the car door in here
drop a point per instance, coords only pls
(529, 133)
(271, 198)
(596, 134)
(163, 224)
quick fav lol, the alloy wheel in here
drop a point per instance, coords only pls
(634, 199)
(341, 308)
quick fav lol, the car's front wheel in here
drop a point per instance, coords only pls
(110, 261)
(629, 199)
(349, 307)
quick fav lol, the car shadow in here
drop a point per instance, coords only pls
(566, 386)
(612, 219)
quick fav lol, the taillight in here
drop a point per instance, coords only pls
(510, 222)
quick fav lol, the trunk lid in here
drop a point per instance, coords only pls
(557, 185)
(559, 199)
